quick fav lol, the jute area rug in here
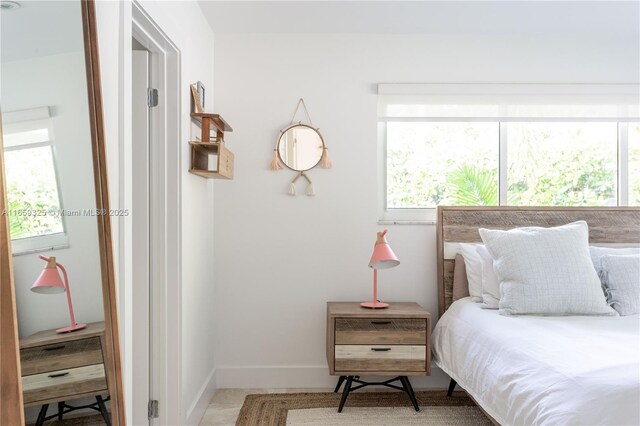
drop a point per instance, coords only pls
(363, 408)
(92, 420)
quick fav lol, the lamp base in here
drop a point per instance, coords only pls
(71, 328)
(374, 305)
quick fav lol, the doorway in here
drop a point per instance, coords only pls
(154, 231)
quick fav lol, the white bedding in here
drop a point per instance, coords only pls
(533, 370)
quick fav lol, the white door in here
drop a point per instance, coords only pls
(140, 218)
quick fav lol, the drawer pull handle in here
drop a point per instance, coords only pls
(380, 349)
(53, 376)
(53, 348)
(381, 322)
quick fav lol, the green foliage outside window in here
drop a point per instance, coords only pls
(568, 164)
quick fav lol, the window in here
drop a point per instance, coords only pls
(562, 164)
(441, 163)
(35, 222)
(502, 145)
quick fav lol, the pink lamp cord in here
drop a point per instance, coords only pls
(66, 284)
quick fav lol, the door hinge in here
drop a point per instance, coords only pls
(152, 97)
(152, 409)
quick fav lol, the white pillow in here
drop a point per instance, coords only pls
(621, 278)
(598, 252)
(490, 281)
(546, 271)
(473, 264)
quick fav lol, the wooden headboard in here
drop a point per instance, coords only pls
(607, 225)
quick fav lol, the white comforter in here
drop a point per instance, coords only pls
(543, 370)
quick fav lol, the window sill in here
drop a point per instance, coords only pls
(39, 244)
(406, 222)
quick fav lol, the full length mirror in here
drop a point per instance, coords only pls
(49, 123)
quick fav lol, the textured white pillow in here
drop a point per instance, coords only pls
(597, 253)
(473, 264)
(490, 281)
(621, 278)
(546, 271)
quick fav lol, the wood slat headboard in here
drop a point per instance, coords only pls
(607, 225)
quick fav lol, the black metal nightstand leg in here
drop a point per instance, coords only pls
(103, 410)
(340, 381)
(60, 410)
(345, 393)
(406, 384)
(452, 386)
(42, 415)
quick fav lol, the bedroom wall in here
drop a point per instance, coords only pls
(185, 25)
(278, 259)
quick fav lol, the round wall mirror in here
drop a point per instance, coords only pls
(300, 147)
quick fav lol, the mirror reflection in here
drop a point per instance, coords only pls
(300, 147)
(52, 206)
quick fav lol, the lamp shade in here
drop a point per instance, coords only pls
(383, 257)
(49, 281)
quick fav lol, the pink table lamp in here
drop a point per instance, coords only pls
(382, 258)
(49, 282)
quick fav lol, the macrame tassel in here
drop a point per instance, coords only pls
(326, 161)
(276, 164)
(292, 189)
(310, 190)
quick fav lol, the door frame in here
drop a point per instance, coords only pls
(165, 233)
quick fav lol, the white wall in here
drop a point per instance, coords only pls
(279, 259)
(184, 24)
(23, 87)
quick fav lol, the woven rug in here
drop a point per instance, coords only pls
(91, 420)
(362, 408)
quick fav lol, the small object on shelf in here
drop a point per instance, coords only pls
(196, 105)
(201, 93)
(210, 157)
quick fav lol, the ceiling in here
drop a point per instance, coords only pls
(515, 17)
(40, 28)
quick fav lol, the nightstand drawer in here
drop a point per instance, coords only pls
(61, 383)
(395, 358)
(59, 356)
(362, 331)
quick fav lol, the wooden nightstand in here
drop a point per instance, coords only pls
(62, 367)
(395, 341)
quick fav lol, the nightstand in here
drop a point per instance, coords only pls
(61, 367)
(395, 341)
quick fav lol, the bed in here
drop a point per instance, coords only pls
(530, 369)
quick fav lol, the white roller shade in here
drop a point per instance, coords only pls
(26, 127)
(509, 102)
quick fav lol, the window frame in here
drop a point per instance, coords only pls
(45, 242)
(427, 215)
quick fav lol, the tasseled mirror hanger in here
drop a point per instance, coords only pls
(300, 147)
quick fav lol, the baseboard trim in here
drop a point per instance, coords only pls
(303, 376)
(199, 405)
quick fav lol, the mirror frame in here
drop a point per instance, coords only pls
(283, 132)
(11, 409)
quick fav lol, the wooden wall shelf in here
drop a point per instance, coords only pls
(210, 158)
(215, 121)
